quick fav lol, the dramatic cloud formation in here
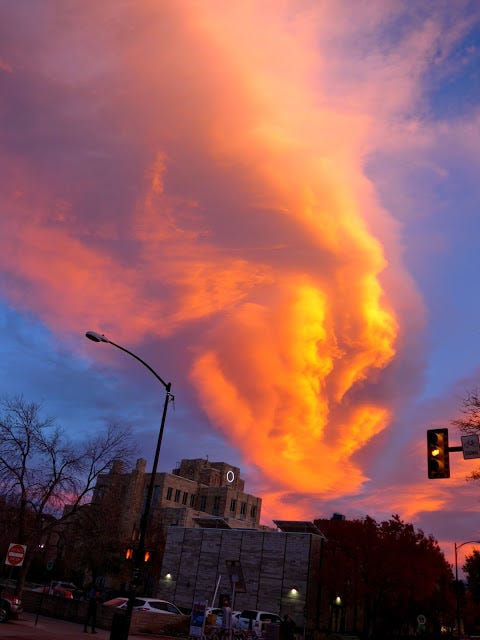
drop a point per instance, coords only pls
(249, 186)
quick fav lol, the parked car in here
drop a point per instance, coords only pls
(256, 621)
(62, 589)
(10, 606)
(214, 616)
(143, 603)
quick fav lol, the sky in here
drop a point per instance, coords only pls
(273, 204)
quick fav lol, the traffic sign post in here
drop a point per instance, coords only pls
(15, 555)
(470, 446)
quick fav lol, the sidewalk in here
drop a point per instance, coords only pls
(52, 629)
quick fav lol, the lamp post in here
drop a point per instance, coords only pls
(457, 590)
(139, 553)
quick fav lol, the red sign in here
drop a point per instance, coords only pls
(15, 555)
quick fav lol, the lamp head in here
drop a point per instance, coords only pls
(96, 337)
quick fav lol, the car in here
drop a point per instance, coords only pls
(256, 621)
(115, 602)
(214, 617)
(10, 606)
(144, 603)
(61, 589)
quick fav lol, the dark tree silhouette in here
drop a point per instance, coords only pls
(42, 472)
(469, 423)
(386, 574)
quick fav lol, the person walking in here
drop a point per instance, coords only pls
(91, 619)
(287, 628)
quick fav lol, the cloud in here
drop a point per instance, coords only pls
(202, 172)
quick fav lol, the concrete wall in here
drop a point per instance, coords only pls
(272, 563)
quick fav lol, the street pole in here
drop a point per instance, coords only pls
(457, 591)
(139, 552)
(457, 585)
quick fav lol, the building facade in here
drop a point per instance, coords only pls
(274, 571)
(196, 488)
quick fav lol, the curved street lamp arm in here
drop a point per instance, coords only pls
(99, 337)
(167, 385)
(457, 546)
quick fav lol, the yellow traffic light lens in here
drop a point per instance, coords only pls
(435, 452)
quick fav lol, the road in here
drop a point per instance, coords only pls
(44, 628)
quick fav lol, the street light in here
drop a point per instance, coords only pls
(457, 590)
(140, 550)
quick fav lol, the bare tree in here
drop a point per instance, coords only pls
(42, 471)
(469, 423)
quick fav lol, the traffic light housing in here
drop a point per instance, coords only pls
(438, 460)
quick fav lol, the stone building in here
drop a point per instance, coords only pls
(196, 488)
(275, 570)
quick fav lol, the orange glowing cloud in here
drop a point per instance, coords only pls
(276, 398)
(239, 197)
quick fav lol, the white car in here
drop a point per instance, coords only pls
(144, 603)
(216, 614)
(256, 621)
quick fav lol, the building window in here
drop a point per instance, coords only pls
(233, 505)
(192, 500)
(203, 503)
(177, 495)
(243, 509)
(216, 503)
(253, 511)
(185, 497)
(169, 493)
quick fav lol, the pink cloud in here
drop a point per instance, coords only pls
(184, 164)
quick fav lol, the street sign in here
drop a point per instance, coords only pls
(235, 574)
(15, 555)
(421, 623)
(197, 619)
(470, 446)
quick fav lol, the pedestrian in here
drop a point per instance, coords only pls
(92, 601)
(287, 628)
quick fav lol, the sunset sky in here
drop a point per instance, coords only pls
(275, 204)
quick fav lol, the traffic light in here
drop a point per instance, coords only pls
(129, 553)
(438, 460)
(146, 556)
